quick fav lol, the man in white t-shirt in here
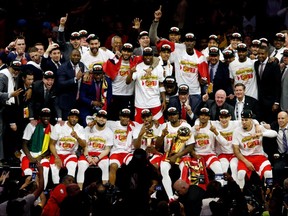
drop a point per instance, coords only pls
(149, 87)
(242, 71)
(64, 142)
(99, 141)
(248, 148)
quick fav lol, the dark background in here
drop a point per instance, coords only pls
(97, 16)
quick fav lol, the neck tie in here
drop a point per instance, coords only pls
(98, 93)
(46, 95)
(261, 68)
(284, 140)
(57, 64)
(183, 111)
(276, 51)
(211, 73)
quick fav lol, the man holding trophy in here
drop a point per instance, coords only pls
(178, 142)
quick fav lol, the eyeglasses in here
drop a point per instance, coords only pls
(75, 111)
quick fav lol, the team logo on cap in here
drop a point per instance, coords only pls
(236, 35)
(205, 110)
(97, 67)
(16, 63)
(101, 113)
(241, 46)
(170, 80)
(146, 112)
(256, 43)
(213, 51)
(143, 33)
(189, 35)
(75, 35)
(174, 30)
(183, 89)
(125, 111)
(172, 110)
(127, 46)
(74, 112)
(224, 112)
(83, 33)
(48, 74)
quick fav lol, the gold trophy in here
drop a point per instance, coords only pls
(178, 143)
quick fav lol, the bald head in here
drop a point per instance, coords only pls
(282, 119)
(181, 187)
(220, 97)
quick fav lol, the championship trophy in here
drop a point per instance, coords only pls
(178, 143)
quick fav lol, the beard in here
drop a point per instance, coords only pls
(101, 125)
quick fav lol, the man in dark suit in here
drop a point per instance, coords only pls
(242, 101)
(9, 109)
(68, 78)
(44, 96)
(144, 41)
(51, 59)
(219, 73)
(95, 95)
(277, 148)
(216, 105)
(268, 77)
(185, 105)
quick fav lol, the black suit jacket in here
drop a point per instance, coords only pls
(38, 101)
(251, 104)
(269, 89)
(175, 102)
(215, 110)
(66, 86)
(269, 86)
(221, 80)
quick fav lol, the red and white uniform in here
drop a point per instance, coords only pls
(27, 134)
(66, 147)
(165, 166)
(101, 57)
(147, 91)
(122, 149)
(149, 141)
(96, 141)
(188, 69)
(244, 72)
(251, 148)
(205, 141)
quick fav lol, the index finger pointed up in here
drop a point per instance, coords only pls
(66, 15)
(160, 8)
